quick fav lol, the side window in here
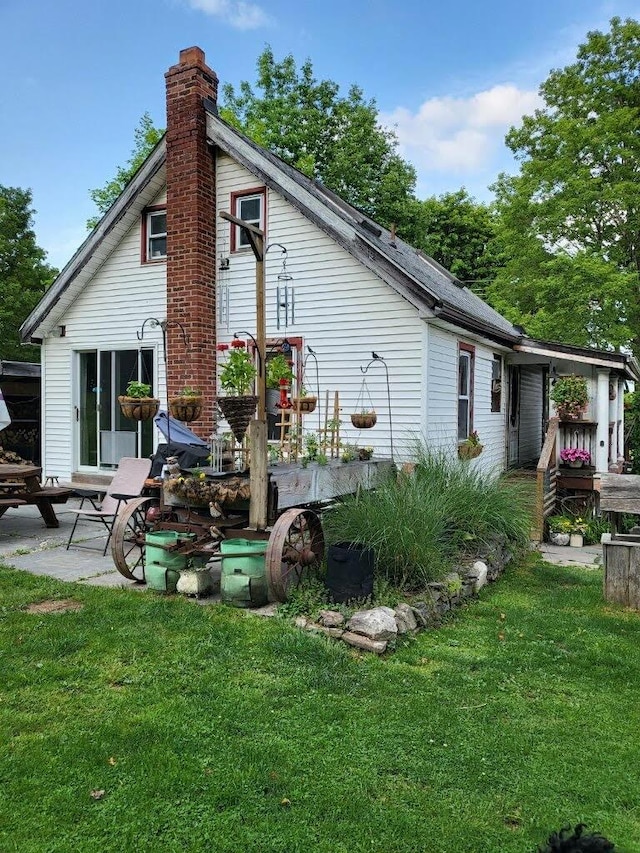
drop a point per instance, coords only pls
(465, 391)
(154, 235)
(496, 384)
(249, 206)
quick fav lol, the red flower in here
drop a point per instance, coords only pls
(222, 347)
(238, 344)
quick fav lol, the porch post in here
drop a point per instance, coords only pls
(602, 418)
(613, 419)
(620, 419)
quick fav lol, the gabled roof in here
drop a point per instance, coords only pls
(145, 185)
(421, 280)
(430, 288)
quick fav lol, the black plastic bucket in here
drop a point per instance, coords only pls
(349, 571)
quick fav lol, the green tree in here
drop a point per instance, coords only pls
(460, 233)
(570, 220)
(334, 139)
(24, 273)
(146, 137)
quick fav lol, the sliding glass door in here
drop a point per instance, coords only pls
(104, 434)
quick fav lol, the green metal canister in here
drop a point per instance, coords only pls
(243, 581)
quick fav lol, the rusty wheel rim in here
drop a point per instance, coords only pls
(127, 539)
(296, 548)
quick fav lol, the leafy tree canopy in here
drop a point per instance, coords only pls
(334, 139)
(570, 221)
(146, 137)
(460, 233)
(24, 273)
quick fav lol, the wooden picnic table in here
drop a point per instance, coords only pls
(20, 484)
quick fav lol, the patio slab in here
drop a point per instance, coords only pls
(589, 556)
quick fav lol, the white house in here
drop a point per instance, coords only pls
(352, 288)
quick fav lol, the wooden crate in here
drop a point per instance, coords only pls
(622, 573)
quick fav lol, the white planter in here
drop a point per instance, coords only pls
(576, 541)
(559, 538)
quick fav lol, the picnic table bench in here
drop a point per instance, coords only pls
(20, 484)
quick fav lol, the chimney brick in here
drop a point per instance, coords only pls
(191, 224)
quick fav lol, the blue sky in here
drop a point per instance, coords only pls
(451, 77)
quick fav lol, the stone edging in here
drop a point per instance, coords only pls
(375, 629)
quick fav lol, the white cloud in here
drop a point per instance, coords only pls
(460, 135)
(236, 13)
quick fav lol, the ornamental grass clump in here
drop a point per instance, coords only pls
(420, 525)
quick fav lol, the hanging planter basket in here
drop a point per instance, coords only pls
(139, 408)
(469, 451)
(305, 405)
(238, 412)
(186, 408)
(364, 420)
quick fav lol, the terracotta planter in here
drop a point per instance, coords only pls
(469, 451)
(304, 405)
(364, 420)
(238, 412)
(185, 408)
(568, 415)
(139, 408)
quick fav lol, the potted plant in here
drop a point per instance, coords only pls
(365, 453)
(304, 403)
(571, 397)
(559, 529)
(471, 447)
(137, 402)
(236, 378)
(574, 457)
(364, 419)
(578, 529)
(187, 405)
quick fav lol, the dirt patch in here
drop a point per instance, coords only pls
(61, 606)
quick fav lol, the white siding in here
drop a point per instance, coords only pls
(343, 311)
(442, 399)
(106, 315)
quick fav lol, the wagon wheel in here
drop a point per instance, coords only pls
(296, 546)
(127, 538)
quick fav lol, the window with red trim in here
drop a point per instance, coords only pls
(466, 358)
(154, 234)
(249, 205)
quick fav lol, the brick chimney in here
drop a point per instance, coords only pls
(191, 229)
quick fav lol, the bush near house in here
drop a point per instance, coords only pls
(421, 525)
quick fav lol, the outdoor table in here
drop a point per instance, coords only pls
(21, 484)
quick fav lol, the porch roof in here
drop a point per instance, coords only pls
(625, 364)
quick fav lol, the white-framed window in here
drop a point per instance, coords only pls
(155, 235)
(466, 355)
(250, 206)
(496, 383)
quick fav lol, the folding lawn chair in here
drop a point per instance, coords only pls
(128, 482)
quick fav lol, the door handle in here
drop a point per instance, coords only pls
(77, 410)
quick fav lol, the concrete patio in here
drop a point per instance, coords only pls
(26, 543)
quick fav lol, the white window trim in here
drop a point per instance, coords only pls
(150, 237)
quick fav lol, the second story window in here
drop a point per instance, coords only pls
(249, 206)
(155, 235)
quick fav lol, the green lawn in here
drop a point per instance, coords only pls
(211, 730)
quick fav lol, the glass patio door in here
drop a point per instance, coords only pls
(104, 434)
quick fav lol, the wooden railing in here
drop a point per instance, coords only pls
(547, 472)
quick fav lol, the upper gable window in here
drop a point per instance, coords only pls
(248, 205)
(154, 234)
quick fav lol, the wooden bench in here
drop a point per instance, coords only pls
(54, 495)
(11, 502)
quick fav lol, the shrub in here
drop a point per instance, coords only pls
(421, 525)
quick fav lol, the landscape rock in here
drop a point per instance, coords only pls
(376, 624)
(405, 620)
(365, 643)
(300, 622)
(331, 618)
(323, 629)
(481, 573)
(424, 613)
